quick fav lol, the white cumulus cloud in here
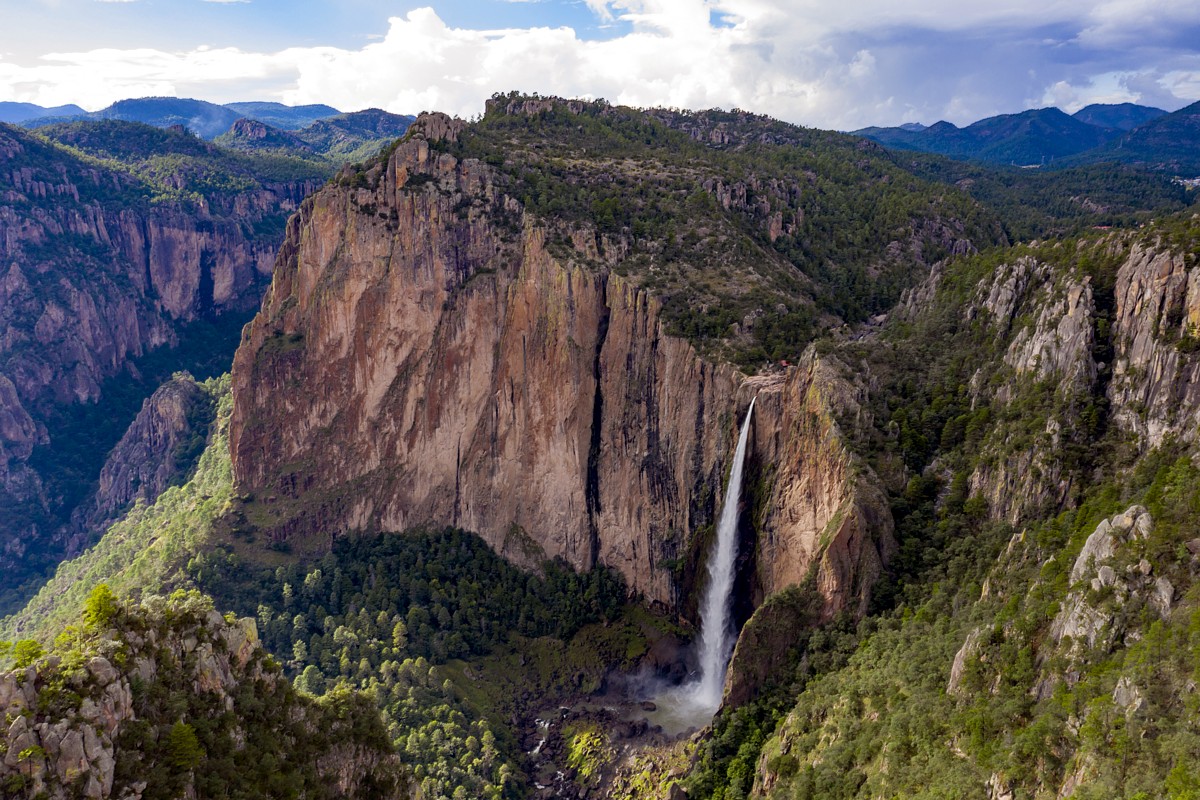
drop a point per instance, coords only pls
(840, 65)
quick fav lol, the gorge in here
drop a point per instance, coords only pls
(476, 456)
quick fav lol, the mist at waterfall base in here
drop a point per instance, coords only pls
(693, 704)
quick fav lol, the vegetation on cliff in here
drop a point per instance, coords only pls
(1017, 646)
(756, 247)
(166, 697)
(177, 165)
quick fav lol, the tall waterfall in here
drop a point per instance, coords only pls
(716, 629)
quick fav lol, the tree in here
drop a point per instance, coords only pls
(184, 752)
(100, 608)
(25, 652)
(311, 680)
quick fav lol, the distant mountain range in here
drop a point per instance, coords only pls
(1125, 132)
(312, 131)
(16, 113)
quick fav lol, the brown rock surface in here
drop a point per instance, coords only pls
(469, 373)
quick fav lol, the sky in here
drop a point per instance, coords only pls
(840, 64)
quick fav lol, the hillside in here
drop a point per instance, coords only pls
(1039, 641)
(129, 253)
(336, 140)
(168, 698)
(202, 118)
(357, 136)
(288, 118)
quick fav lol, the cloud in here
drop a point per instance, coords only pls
(841, 65)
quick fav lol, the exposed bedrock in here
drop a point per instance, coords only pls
(427, 354)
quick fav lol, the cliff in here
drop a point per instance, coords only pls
(1155, 390)
(1111, 338)
(481, 370)
(101, 265)
(157, 451)
(169, 698)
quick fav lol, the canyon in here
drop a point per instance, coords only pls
(98, 274)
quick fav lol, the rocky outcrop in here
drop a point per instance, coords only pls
(162, 443)
(1045, 320)
(1055, 336)
(825, 507)
(89, 722)
(1155, 391)
(473, 374)
(250, 134)
(1107, 564)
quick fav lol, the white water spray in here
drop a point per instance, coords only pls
(716, 629)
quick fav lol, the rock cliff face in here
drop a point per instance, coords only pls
(95, 273)
(1046, 320)
(474, 374)
(92, 722)
(1057, 333)
(1155, 390)
(160, 446)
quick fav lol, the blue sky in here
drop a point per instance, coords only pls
(829, 64)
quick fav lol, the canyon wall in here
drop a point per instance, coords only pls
(95, 272)
(427, 353)
(1155, 391)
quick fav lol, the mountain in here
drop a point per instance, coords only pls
(1033, 137)
(15, 113)
(355, 136)
(288, 118)
(1122, 116)
(623, 265)
(206, 120)
(336, 140)
(251, 135)
(129, 252)
(1170, 143)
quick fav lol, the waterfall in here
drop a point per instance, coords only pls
(680, 709)
(716, 628)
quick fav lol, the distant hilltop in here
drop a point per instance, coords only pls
(1125, 132)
